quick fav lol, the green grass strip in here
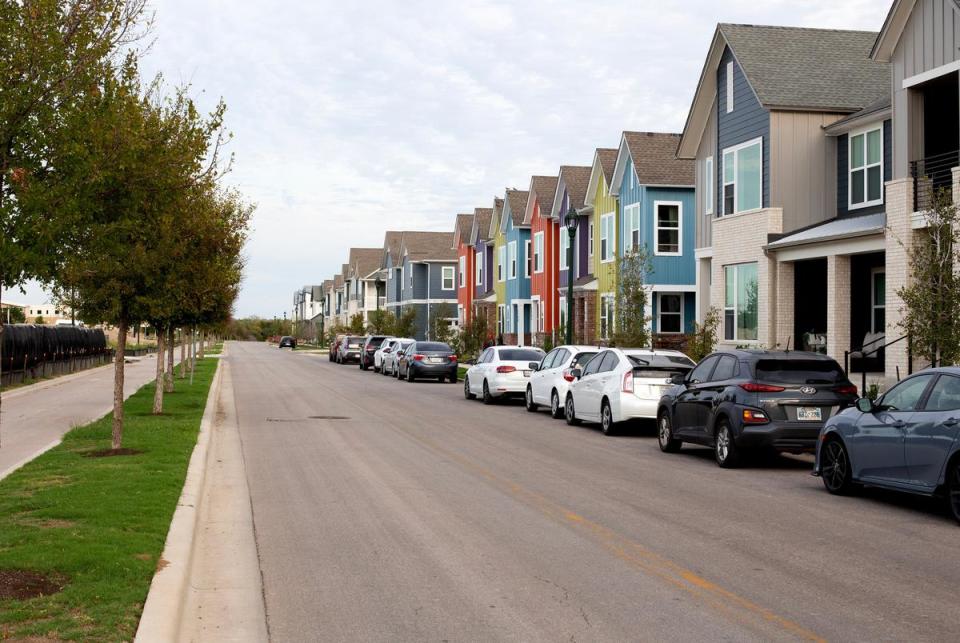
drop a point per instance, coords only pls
(99, 524)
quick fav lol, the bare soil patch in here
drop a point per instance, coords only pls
(23, 585)
(110, 453)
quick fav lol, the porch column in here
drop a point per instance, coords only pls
(785, 307)
(899, 237)
(838, 306)
(521, 309)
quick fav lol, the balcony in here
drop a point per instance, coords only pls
(931, 175)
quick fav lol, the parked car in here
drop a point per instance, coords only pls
(349, 350)
(427, 359)
(370, 345)
(906, 440)
(335, 347)
(551, 379)
(743, 400)
(618, 385)
(385, 345)
(391, 357)
(499, 372)
(287, 342)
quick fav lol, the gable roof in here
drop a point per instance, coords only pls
(481, 224)
(604, 159)
(428, 246)
(345, 272)
(543, 189)
(461, 229)
(574, 179)
(791, 68)
(655, 161)
(338, 281)
(495, 218)
(517, 200)
(391, 246)
(365, 261)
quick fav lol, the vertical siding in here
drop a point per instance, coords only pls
(708, 148)
(843, 176)
(931, 38)
(544, 284)
(802, 178)
(433, 277)
(499, 241)
(465, 294)
(562, 275)
(747, 121)
(669, 270)
(606, 273)
(518, 287)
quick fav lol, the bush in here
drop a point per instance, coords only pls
(703, 339)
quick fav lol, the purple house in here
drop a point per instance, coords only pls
(571, 191)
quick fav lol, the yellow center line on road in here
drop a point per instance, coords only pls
(729, 604)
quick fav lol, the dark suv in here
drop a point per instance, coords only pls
(742, 400)
(370, 346)
(288, 342)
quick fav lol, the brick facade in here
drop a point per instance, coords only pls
(785, 307)
(585, 317)
(838, 306)
(898, 239)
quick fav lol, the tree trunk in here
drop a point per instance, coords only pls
(193, 348)
(159, 381)
(183, 354)
(203, 342)
(168, 377)
(1, 350)
(118, 385)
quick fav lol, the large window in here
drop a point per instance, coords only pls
(631, 216)
(878, 300)
(501, 263)
(740, 302)
(447, 278)
(478, 259)
(743, 177)
(866, 168)
(607, 237)
(538, 252)
(512, 259)
(668, 227)
(670, 313)
(527, 259)
(564, 248)
(463, 271)
(606, 316)
(709, 178)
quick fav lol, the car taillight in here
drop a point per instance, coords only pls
(371, 349)
(846, 389)
(754, 387)
(418, 357)
(567, 376)
(751, 416)
(506, 369)
(453, 358)
(627, 382)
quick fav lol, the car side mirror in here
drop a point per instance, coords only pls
(576, 373)
(401, 353)
(534, 366)
(866, 405)
(678, 379)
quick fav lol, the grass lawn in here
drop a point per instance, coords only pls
(97, 525)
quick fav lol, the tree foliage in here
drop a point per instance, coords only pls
(356, 325)
(405, 324)
(703, 339)
(438, 325)
(631, 324)
(14, 315)
(380, 322)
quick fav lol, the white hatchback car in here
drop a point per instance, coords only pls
(550, 380)
(500, 371)
(622, 384)
(388, 354)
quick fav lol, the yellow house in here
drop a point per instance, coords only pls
(499, 264)
(605, 241)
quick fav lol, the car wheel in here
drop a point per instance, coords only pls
(453, 378)
(467, 395)
(556, 410)
(606, 419)
(953, 487)
(396, 371)
(441, 379)
(835, 467)
(668, 443)
(528, 400)
(363, 366)
(487, 398)
(410, 376)
(569, 412)
(724, 448)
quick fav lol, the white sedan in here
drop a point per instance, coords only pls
(622, 384)
(500, 371)
(550, 380)
(388, 354)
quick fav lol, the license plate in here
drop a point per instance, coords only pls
(526, 373)
(809, 413)
(434, 360)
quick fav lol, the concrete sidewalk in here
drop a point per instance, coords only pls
(35, 418)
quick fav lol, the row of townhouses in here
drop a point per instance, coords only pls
(788, 204)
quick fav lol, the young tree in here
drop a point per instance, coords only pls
(14, 315)
(631, 326)
(406, 323)
(380, 322)
(439, 323)
(703, 339)
(356, 325)
(932, 297)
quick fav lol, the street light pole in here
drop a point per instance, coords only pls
(571, 221)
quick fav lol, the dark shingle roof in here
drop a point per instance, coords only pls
(576, 178)
(482, 218)
(365, 261)
(338, 282)
(462, 227)
(819, 69)
(497, 214)
(518, 204)
(429, 246)
(391, 246)
(608, 159)
(655, 157)
(543, 188)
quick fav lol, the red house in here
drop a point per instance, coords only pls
(465, 267)
(542, 256)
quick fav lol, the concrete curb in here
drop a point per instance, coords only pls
(163, 610)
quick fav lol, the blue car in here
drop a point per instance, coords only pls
(906, 440)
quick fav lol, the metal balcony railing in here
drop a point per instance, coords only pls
(931, 175)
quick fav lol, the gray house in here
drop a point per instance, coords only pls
(421, 269)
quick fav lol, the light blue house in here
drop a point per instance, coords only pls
(516, 269)
(657, 211)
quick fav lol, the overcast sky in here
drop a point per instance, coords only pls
(351, 118)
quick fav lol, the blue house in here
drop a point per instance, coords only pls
(517, 268)
(655, 190)
(421, 274)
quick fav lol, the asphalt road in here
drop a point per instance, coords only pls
(426, 517)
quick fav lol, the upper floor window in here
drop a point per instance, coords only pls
(527, 259)
(743, 177)
(590, 240)
(606, 316)
(538, 251)
(607, 237)
(410, 273)
(447, 277)
(729, 87)
(866, 167)
(709, 178)
(478, 259)
(668, 227)
(463, 271)
(512, 259)
(632, 219)
(501, 262)
(564, 248)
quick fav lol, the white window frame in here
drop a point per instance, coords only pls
(527, 258)
(501, 314)
(512, 259)
(734, 149)
(710, 178)
(410, 272)
(865, 131)
(460, 314)
(604, 232)
(607, 315)
(631, 214)
(736, 314)
(564, 246)
(462, 274)
(502, 264)
(538, 252)
(478, 258)
(448, 272)
(657, 228)
(679, 314)
(729, 86)
(590, 240)
(879, 270)
(562, 317)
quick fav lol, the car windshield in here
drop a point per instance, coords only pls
(376, 341)
(799, 371)
(354, 342)
(580, 360)
(520, 354)
(433, 347)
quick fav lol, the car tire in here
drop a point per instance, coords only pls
(395, 371)
(570, 412)
(453, 378)
(487, 398)
(724, 447)
(363, 366)
(835, 469)
(528, 402)
(411, 378)
(953, 488)
(607, 425)
(442, 379)
(668, 443)
(467, 394)
(556, 409)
